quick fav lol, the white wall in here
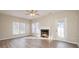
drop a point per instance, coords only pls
(0, 26)
(71, 20)
(78, 28)
(6, 25)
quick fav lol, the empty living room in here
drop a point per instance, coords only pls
(39, 29)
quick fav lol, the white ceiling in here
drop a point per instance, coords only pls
(22, 13)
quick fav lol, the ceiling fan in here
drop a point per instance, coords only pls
(32, 12)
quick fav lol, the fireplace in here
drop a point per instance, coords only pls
(45, 33)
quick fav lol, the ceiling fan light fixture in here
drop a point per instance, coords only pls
(32, 14)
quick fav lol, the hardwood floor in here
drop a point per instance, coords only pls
(61, 44)
(34, 43)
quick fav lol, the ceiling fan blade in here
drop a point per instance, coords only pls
(28, 11)
(35, 11)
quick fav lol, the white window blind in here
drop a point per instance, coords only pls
(35, 27)
(22, 28)
(60, 29)
(18, 28)
(15, 28)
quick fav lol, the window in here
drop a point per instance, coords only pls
(18, 28)
(22, 28)
(60, 29)
(15, 28)
(35, 28)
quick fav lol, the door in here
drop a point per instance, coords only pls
(61, 29)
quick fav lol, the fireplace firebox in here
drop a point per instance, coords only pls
(45, 33)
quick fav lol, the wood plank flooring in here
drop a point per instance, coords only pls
(62, 44)
(34, 43)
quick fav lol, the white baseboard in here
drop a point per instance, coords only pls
(70, 41)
